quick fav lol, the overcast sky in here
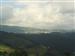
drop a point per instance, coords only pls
(44, 14)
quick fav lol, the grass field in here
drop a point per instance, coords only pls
(34, 51)
(30, 51)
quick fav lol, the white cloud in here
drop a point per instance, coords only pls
(34, 15)
(5, 14)
(44, 0)
(48, 15)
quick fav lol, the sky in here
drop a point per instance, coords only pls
(43, 14)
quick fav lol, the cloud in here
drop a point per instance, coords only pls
(45, 15)
(44, 0)
(5, 14)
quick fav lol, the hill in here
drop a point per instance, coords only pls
(17, 29)
(58, 40)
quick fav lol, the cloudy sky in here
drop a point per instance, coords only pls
(44, 14)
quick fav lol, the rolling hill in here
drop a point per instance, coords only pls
(17, 29)
(58, 40)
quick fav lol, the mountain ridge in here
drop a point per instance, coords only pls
(17, 29)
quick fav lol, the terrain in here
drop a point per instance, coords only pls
(61, 41)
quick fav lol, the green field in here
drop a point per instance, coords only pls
(6, 50)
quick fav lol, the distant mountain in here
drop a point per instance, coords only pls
(17, 29)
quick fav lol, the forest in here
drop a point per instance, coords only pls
(42, 44)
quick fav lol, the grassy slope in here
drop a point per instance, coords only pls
(30, 51)
(4, 48)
